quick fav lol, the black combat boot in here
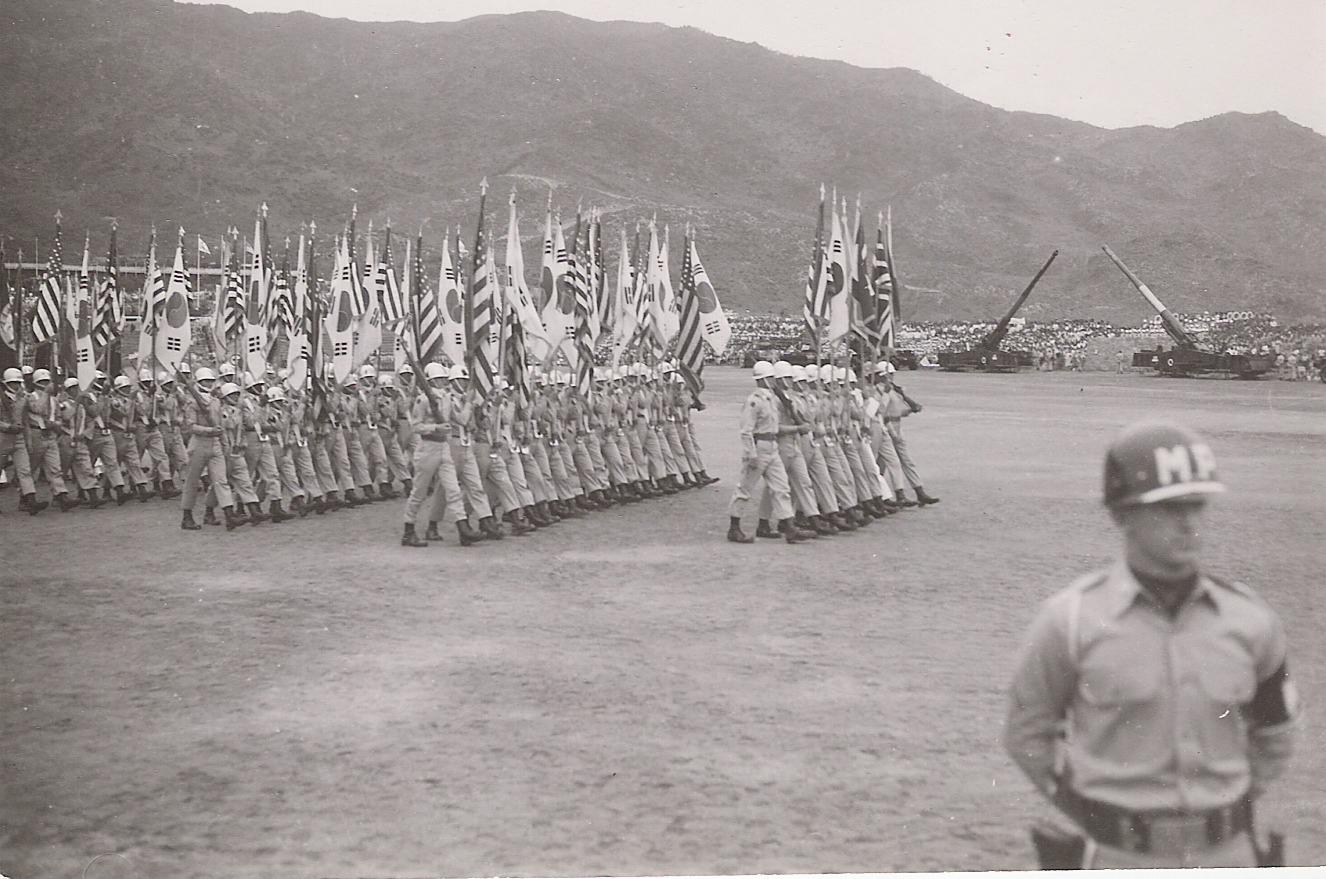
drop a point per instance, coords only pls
(734, 532)
(490, 529)
(234, 519)
(145, 494)
(169, 491)
(792, 534)
(278, 514)
(256, 515)
(902, 500)
(822, 526)
(519, 527)
(386, 492)
(94, 500)
(706, 479)
(209, 516)
(467, 535)
(121, 496)
(187, 523)
(764, 529)
(407, 487)
(30, 503)
(924, 499)
(65, 503)
(409, 538)
(432, 532)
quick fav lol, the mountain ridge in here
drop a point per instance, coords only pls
(197, 113)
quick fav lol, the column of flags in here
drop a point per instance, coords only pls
(502, 328)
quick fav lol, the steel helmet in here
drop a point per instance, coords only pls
(564, 378)
(41, 375)
(458, 372)
(226, 369)
(762, 369)
(600, 374)
(163, 377)
(351, 381)
(782, 369)
(407, 369)
(387, 381)
(798, 373)
(851, 376)
(26, 370)
(367, 371)
(184, 369)
(840, 374)
(276, 395)
(145, 375)
(282, 374)
(1151, 462)
(229, 388)
(502, 384)
(678, 378)
(13, 375)
(99, 376)
(664, 368)
(825, 372)
(434, 370)
(71, 384)
(121, 382)
(205, 375)
(885, 368)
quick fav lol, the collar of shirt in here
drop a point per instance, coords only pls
(1124, 591)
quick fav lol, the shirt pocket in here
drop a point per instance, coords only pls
(1226, 682)
(1117, 673)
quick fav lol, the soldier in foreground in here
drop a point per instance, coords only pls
(1152, 703)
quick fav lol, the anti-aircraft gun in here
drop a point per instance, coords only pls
(1188, 358)
(985, 354)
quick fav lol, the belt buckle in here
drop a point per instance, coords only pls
(1177, 834)
(465, 441)
(524, 450)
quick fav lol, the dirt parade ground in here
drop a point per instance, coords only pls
(621, 694)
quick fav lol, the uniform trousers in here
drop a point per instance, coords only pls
(13, 448)
(887, 456)
(433, 464)
(322, 464)
(74, 458)
(287, 472)
(658, 468)
(261, 461)
(765, 467)
(594, 447)
(515, 468)
(635, 445)
(471, 483)
(205, 456)
(44, 456)
(798, 479)
(396, 461)
(841, 477)
(339, 458)
(101, 447)
(237, 472)
(354, 451)
(174, 445)
(496, 478)
(534, 478)
(874, 477)
(557, 461)
(584, 465)
(152, 453)
(820, 479)
(851, 447)
(687, 432)
(126, 451)
(672, 436)
(538, 452)
(909, 471)
(305, 471)
(612, 458)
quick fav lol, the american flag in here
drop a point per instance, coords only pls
(881, 279)
(690, 338)
(582, 270)
(429, 322)
(816, 307)
(234, 297)
(281, 307)
(359, 294)
(607, 311)
(479, 311)
(154, 289)
(110, 308)
(46, 318)
(389, 291)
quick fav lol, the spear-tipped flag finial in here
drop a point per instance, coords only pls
(312, 227)
(58, 216)
(115, 224)
(354, 210)
(264, 210)
(483, 186)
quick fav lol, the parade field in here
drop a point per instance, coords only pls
(626, 693)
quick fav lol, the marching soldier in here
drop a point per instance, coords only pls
(432, 420)
(387, 414)
(121, 417)
(279, 438)
(790, 429)
(898, 407)
(13, 447)
(353, 416)
(812, 438)
(43, 438)
(170, 417)
(148, 439)
(205, 451)
(237, 466)
(462, 451)
(760, 464)
(370, 438)
(74, 455)
(259, 453)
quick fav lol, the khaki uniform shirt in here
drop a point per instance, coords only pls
(1186, 713)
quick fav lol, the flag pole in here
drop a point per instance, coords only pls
(18, 311)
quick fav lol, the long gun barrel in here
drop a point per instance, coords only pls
(996, 335)
(1170, 322)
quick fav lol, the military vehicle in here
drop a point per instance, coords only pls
(985, 355)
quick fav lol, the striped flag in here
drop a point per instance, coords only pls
(480, 315)
(585, 313)
(644, 294)
(46, 316)
(895, 315)
(154, 303)
(361, 294)
(389, 291)
(815, 309)
(110, 306)
(882, 282)
(85, 356)
(517, 293)
(861, 316)
(432, 337)
(234, 292)
(10, 325)
(690, 337)
(281, 311)
(593, 260)
(607, 306)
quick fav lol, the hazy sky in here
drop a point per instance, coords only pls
(1112, 63)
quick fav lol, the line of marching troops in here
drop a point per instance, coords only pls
(482, 460)
(825, 454)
